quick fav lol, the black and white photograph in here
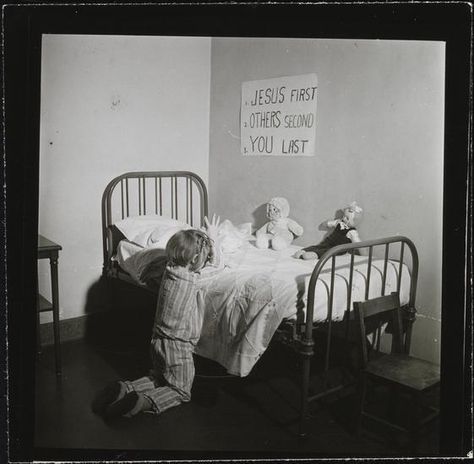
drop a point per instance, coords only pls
(237, 231)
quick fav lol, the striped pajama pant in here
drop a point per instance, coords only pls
(171, 378)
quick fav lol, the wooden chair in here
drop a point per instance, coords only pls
(397, 370)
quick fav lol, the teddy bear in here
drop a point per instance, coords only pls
(344, 231)
(280, 230)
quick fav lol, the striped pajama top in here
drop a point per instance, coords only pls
(177, 314)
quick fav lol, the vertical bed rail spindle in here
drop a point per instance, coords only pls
(191, 203)
(161, 197)
(144, 195)
(187, 200)
(139, 182)
(172, 198)
(126, 196)
(351, 279)
(382, 292)
(385, 263)
(400, 267)
(349, 294)
(203, 201)
(156, 195)
(121, 199)
(369, 269)
(176, 196)
(329, 319)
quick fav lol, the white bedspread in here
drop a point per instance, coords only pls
(258, 289)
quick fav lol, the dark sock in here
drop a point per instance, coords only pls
(130, 405)
(114, 391)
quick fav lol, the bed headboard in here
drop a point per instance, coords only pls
(180, 195)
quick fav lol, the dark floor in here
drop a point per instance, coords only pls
(234, 418)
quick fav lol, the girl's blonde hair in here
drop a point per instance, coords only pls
(189, 247)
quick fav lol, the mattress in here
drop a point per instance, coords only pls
(289, 277)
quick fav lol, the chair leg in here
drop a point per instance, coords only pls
(306, 360)
(361, 391)
(415, 423)
(38, 334)
(391, 402)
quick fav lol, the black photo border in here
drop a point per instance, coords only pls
(23, 24)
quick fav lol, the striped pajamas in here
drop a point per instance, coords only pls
(171, 378)
(176, 331)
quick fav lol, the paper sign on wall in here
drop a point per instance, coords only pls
(278, 116)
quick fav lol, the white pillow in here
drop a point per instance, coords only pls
(151, 230)
(159, 236)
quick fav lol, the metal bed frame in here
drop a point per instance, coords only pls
(148, 201)
(151, 195)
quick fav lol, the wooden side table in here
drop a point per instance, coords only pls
(50, 250)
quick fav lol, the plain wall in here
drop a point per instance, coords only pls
(111, 104)
(379, 140)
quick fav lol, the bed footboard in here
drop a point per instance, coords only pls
(397, 248)
(370, 247)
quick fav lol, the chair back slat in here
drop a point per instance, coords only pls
(378, 305)
(380, 311)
